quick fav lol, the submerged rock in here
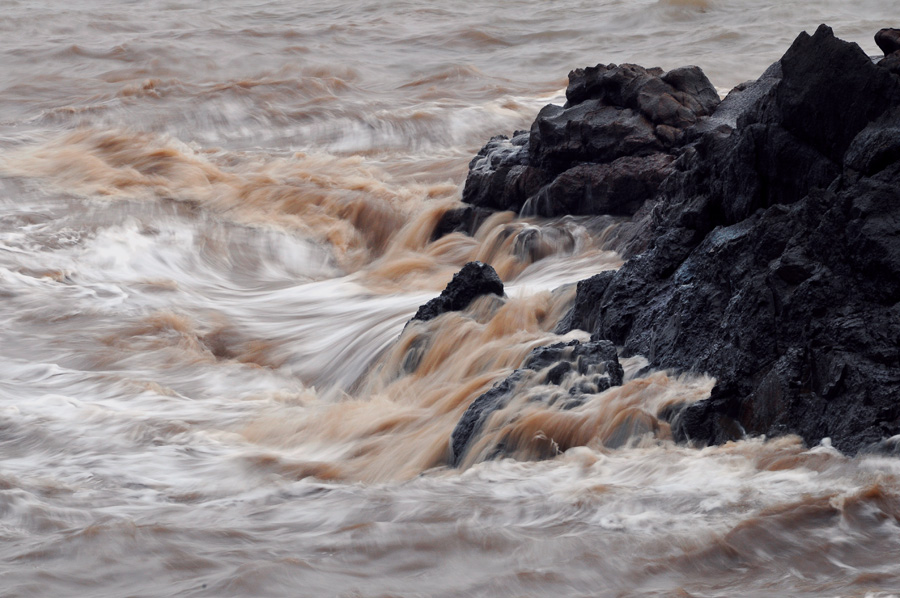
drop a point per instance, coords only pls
(464, 220)
(595, 364)
(773, 259)
(474, 280)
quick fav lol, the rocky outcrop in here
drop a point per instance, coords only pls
(570, 371)
(889, 42)
(605, 151)
(773, 258)
(472, 281)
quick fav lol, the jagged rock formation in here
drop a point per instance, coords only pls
(764, 238)
(889, 42)
(605, 152)
(774, 256)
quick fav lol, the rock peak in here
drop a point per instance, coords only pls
(472, 281)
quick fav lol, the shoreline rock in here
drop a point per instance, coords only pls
(775, 260)
(765, 250)
(605, 152)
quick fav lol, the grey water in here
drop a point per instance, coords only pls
(215, 220)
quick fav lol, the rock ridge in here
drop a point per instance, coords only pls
(764, 235)
(774, 263)
(605, 151)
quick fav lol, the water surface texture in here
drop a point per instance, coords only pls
(215, 220)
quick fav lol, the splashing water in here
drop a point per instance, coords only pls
(215, 224)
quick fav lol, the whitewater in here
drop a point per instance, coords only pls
(216, 220)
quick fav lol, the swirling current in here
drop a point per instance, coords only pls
(215, 220)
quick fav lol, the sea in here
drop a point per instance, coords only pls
(215, 222)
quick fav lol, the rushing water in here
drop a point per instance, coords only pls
(215, 220)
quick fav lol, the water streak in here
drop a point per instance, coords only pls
(214, 226)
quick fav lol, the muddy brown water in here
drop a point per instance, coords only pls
(215, 220)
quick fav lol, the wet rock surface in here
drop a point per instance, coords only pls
(889, 42)
(464, 220)
(472, 281)
(500, 174)
(773, 254)
(588, 368)
(605, 151)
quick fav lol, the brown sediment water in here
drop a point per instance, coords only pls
(215, 222)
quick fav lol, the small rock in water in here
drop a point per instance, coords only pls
(464, 220)
(474, 280)
(774, 260)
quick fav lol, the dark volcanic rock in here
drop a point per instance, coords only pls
(619, 188)
(585, 312)
(474, 280)
(469, 425)
(676, 98)
(604, 153)
(595, 363)
(590, 132)
(500, 175)
(827, 107)
(775, 259)
(888, 40)
(615, 111)
(462, 220)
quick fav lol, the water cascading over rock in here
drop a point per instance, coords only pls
(567, 372)
(764, 235)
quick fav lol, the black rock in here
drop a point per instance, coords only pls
(464, 220)
(500, 175)
(585, 311)
(583, 357)
(474, 280)
(596, 360)
(469, 425)
(619, 188)
(888, 40)
(774, 257)
(676, 98)
(891, 63)
(604, 153)
(830, 91)
(590, 132)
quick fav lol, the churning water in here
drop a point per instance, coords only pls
(215, 220)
